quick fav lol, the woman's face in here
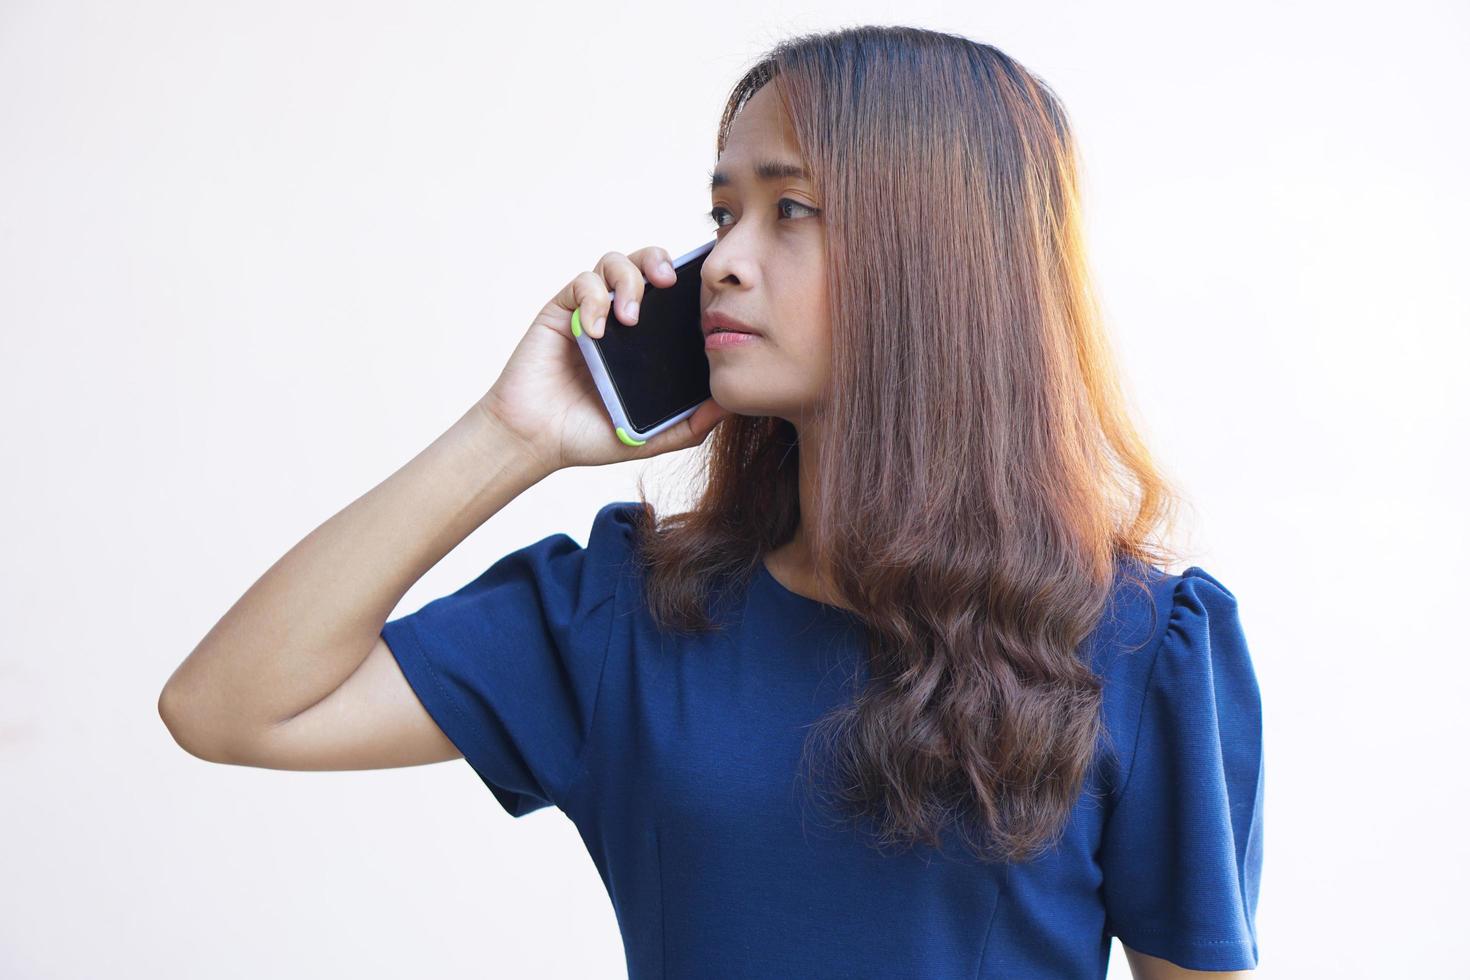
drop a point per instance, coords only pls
(767, 269)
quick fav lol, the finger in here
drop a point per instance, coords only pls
(708, 415)
(587, 295)
(628, 275)
(690, 432)
(626, 282)
(657, 265)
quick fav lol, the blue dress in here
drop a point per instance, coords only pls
(677, 759)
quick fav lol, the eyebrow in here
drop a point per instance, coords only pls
(765, 170)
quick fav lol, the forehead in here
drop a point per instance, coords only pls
(759, 131)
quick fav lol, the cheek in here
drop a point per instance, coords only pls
(799, 291)
(816, 321)
(810, 285)
(817, 339)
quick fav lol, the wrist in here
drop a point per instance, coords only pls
(500, 446)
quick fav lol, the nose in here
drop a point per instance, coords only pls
(726, 266)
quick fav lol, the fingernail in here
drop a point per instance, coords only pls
(597, 327)
(665, 268)
(632, 307)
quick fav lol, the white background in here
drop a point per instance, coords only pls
(254, 257)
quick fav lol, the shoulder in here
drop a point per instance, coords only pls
(610, 541)
(615, 527)
(1172, 644)
(611, 555)
(557, 574)
(1147, 606)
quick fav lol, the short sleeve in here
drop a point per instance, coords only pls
(509, 666)
(1181, 849)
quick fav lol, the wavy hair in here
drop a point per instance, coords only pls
(980, 538)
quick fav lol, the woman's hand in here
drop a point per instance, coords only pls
(546, 396)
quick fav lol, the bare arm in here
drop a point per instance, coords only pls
(1146, 967)
(296, 674)
(312, 619)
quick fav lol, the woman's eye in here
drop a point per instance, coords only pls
(798, 204)
(717, 210)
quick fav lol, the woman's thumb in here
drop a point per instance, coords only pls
(706, 417)
(693, 430)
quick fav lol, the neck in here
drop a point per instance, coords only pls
(792, 562)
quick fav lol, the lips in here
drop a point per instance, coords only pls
(714, 322)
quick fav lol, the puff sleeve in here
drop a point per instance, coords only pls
(1181, 848)
(509, 666)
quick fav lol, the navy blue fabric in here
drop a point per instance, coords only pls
(678, 759)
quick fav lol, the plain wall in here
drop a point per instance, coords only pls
(254, 257)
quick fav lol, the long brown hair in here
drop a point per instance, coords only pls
(986, 479)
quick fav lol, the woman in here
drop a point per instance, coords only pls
(906, 694)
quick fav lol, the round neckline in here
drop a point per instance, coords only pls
(797, 597)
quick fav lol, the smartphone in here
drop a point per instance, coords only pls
(654, 373)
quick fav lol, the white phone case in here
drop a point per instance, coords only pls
(621, 424)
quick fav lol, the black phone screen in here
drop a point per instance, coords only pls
(658, 365)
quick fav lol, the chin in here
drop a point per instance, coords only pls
(731, 394)
(745, 401)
